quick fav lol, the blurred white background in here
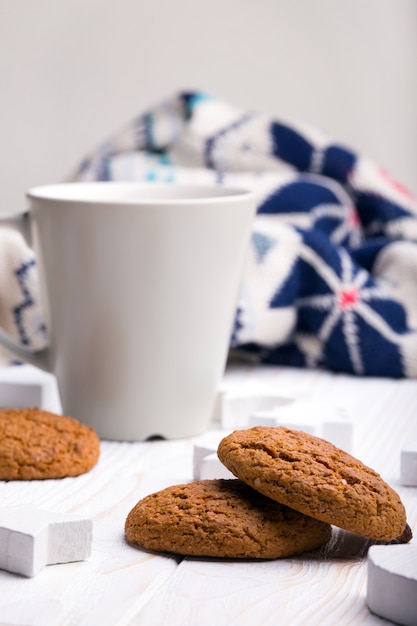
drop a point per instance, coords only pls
(74, 71)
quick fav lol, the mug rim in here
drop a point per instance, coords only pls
(154, 193)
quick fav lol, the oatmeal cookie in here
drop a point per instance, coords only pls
(37, 444)
(221, 518)
(316, 478)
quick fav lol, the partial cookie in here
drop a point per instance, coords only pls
(221, 518)
(316, 478)
(36, 444)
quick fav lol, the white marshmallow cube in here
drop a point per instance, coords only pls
(274, 418)
(310, 416)
(212, 467)
(31, 538)
(392, 582)
(338, 429)
(216, 414)
(27, 386)
(237, 407)
(409, 465)
(206, 445)
(200, 451)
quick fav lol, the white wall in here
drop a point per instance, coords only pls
(74, 71)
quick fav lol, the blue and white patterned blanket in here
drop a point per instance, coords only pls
(331, 274)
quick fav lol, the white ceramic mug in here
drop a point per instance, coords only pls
(139, 285)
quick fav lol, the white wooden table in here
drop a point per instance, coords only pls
(122, 585)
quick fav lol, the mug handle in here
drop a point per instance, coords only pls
(38, 358)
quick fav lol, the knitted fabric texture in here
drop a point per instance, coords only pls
(331, 274)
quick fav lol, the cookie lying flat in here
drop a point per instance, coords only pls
(36, 444)
(221, 518)
(316, 478)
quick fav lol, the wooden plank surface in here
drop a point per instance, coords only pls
(121, 585)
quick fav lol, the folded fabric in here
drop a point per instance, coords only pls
(331, 274)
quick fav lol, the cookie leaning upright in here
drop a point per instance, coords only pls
(36, 444)
(316, 478)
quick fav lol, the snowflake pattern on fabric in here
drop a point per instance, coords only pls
(325, 215)
(29, 322)
(328, 280)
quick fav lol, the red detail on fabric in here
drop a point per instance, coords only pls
(348, 298)
(396, 185)
(353, 217)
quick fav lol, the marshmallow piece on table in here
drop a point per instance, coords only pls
(237, 407)
(216, 415)
(206, 464)
(311, 416)
(31, 538)
(200, 452)
(212, 467)
(274, 418)
(27, 386)
(205, 446)
(392, 582)
(409, 465)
